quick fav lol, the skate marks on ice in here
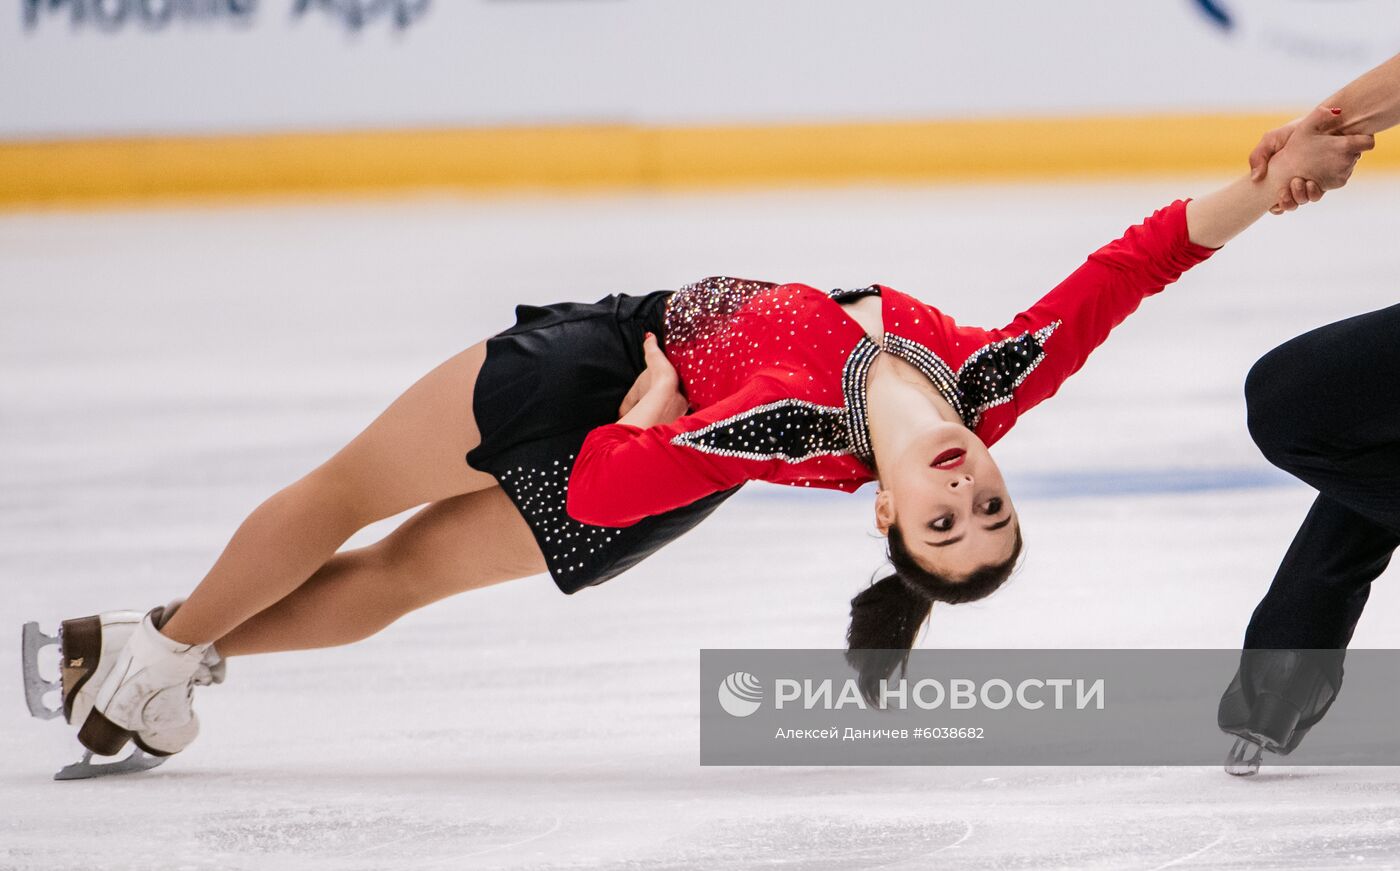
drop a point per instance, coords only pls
(316, 833)
(1191, 856)
(795, 840)
(357, 835)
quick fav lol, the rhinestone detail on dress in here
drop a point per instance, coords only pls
(541, 494)
(789, 429)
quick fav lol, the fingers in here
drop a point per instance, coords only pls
(1360, 142)
(1269, 145)
(1299, 192)
(628, 401)
(656, 360)
(1298, 188)
(1259, 160)
(649, 345)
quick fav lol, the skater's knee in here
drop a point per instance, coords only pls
(335, 499)
(1265, 413)
(396, 577)
(1271, 393)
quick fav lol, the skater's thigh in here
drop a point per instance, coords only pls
(459, 544)
(414, 452)
(1331, 390)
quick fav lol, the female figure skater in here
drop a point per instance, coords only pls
(722, 382)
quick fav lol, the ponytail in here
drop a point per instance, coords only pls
(886, 616)
(885, 619)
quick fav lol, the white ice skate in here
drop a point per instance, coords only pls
(88, 649)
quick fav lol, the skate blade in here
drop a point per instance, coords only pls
(1244, 758)
(36, 686)
(85, 769)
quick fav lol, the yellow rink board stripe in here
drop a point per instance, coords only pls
(621, 156)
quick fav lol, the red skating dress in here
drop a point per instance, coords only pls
(776, 376)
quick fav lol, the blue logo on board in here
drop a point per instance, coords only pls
(1351, 32)
(1216, 11)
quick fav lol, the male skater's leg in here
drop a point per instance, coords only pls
(1291, 668)
(1322, 585)
(1324, 407)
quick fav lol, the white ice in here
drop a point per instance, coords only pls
(163, 370)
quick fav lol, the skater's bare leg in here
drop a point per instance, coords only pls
(454, 545)
(411, 454)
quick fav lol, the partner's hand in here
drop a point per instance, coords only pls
(639, 389)
(659, 378)
(1299, 191)
(1270, 143)
(1313, 160)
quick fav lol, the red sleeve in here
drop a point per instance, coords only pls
(624, 473)
(1076, 316)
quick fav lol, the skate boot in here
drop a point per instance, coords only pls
(88, 650)
(149, 691)
(1274, 699)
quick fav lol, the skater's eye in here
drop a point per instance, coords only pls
(993, 506)
(942, 524)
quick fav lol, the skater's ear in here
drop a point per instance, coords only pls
(884, 511)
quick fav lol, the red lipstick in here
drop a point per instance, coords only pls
(949, 459)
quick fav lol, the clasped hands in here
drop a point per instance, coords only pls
(1308, 157)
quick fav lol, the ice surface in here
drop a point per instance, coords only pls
(162, 371)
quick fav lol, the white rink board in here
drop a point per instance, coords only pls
(501, 62)
(162, 371)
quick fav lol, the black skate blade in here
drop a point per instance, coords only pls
(1244, 758)
(36, 686)
(86, 769)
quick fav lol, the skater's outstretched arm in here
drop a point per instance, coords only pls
(1371, 103)
(1311, 153)
(1077, 315)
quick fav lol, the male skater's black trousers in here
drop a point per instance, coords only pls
(1324, 407)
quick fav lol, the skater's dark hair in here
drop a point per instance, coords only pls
(886, 616)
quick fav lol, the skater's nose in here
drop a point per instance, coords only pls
(960, 482)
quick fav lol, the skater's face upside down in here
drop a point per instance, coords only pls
(946, 498)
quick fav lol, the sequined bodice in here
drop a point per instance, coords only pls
(721, 333)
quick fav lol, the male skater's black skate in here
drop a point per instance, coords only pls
(1274, 699)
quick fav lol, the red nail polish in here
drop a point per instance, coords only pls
(1336, 111)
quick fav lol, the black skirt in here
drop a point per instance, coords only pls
(561, 371)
